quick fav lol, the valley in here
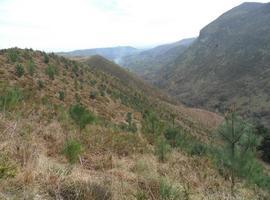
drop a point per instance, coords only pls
(187, 120)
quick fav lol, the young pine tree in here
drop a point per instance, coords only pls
(239, 146)
(81, 116)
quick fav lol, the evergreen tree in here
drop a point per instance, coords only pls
(238, 149)
(264, 147)
(81, 116)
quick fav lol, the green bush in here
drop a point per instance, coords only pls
(10, 98)
(7, 169)
(76, 85)
(152, 126)
(31, 68)
(93, 82)
(12, 55)
(264, 147)
(246, 167)
(162, 148)
(61, 95)
(46, 58)
(129, 118)
(75, 69)
(178, 138)
(19, 70)
(237, 155)
(51, 71)
(72, 150)
(132, 128)
(102, 89)
(171, 135)
(198, 149)
(81, 115)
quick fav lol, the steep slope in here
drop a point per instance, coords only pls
(228, 63)
(147, 62)
(48, 152)
(112, 53)
(101, 64)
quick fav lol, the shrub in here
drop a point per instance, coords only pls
(171, 135)
(238, 151)
(162, 148)
(19, 70)
(131, 126)
(198, 149)
(76, 85)
(152, 126)
(93, 82)
(75, 69)
(178, 138)
(12, 55)
(11, 98)
(81, 115)
(264, 147)
(31, 68)
(7, 169)
(61, 95)
(102, 89)
(72, 150)
(129, 118)
(51, 71)
(46, 58)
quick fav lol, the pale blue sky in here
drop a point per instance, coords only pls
(56, 25)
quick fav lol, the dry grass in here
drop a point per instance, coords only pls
(114, 164)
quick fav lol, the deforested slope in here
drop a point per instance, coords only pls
(70, 131)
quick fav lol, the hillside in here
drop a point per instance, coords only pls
(228, 63)
(112, 53)
(73, 130)
(127, 78)
(148, 62)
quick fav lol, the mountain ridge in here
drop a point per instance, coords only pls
(146, 63)
(111, 53)
(229, 62)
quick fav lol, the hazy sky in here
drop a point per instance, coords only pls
(55, 25)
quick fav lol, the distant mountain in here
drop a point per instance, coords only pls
(229, 63)
(111, 53)
(146, 63)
